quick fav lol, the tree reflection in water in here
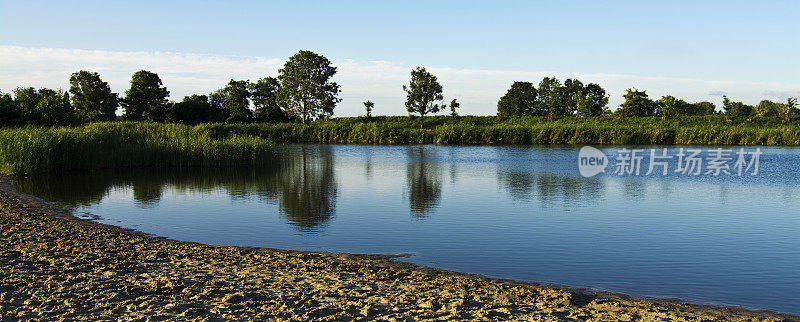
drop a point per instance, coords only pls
(302, 182)
(424, 180)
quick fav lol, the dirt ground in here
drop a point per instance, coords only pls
(55, 266)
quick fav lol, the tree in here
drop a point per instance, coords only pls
(8, 110)
(552, 97)
(53, 108)
(670, 106)
(235, 99)
(519, 100)
(92, 97)
(368, 106)
(146, 99)
(454, 105)
(703, 108)
(422, 93)
(637, 103)
(306, 89)
(195, 109)
(264, 94)
(770, 108)
(736, 109)
(791, 106)
(572, 91)
(593, 101)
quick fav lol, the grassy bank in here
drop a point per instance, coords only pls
(115, 145)
(704, 130)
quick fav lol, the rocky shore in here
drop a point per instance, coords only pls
(55, 266)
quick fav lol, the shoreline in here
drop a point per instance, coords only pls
(58, 265)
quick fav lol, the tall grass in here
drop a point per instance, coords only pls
(115, 145)
(704, 130)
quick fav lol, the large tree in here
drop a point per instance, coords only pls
(306, 89)
(368, 105)
(593, 101)
(92, 97)
(637, 103)
(519, 100)
(422, 94)
(264, 94)
(146, 99)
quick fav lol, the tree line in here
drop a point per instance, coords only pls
(303, 91)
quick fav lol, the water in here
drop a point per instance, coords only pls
(513, 212)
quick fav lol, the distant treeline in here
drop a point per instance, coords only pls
(303, 91)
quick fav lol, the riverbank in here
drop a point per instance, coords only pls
(56, 265)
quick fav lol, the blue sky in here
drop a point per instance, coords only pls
(693, 49)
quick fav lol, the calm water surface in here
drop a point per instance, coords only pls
(514, 212)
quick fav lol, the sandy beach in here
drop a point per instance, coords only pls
(55, 266)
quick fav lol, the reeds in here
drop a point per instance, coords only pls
(117, 145)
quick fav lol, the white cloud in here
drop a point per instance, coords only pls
(379, 81)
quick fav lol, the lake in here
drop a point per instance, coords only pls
(524, 213)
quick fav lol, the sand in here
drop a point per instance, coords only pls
(55, 266)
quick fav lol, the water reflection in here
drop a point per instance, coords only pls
(303, 184)
(424, 181)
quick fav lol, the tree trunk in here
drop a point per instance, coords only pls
(422, 121)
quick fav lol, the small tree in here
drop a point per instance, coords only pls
(422, 93)
(92, 97)
(146, 99)
(306, 89)
(453, 107)
(368, 106)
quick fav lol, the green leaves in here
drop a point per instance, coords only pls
(422, 93)
(92, 97)
(146, 99)
(306, 89)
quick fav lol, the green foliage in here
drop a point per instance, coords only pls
(116, 145)
(92, 97)
(637, 103)
(9, 114)
(737, 109)
(264, 94)
(691, 130)
(306, 89)
(454, 105)
(40, 107)
(146, 99)
(195, 109)
(368, 105)
(770, 108)
(235, 99)
(552, 97)
(422, 93)
(520, 100)
(592, 101)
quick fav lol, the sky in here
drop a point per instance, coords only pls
(695, 50)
